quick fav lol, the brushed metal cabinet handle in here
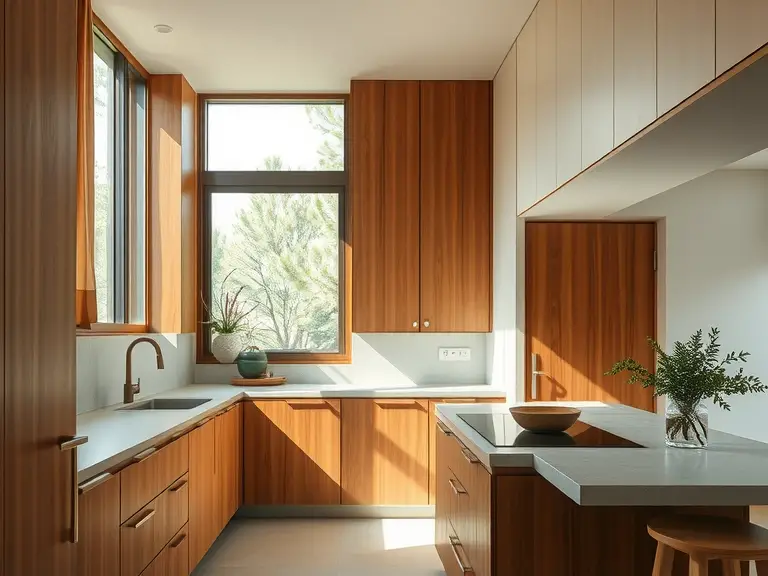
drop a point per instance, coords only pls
(458, 489)
(144, 519)
(89, 485)
(444, 429)
(70, 444)
(144, 455)
(455, 545)
(471, 458)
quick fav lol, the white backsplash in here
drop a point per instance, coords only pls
(101, 367)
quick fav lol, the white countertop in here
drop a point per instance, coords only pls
(732, 471)
(115, 436)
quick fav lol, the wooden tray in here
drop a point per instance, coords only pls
(271, 381)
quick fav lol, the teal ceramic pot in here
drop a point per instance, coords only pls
(252, 363)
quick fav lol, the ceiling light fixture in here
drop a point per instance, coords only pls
(163, 28)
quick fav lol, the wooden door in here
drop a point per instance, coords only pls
(203, 496)
(98, 551)
(265, 423)
(384, 179)
(456, 206)
(38, 346)
(385, 452)
(590, 301)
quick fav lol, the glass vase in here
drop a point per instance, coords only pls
(687, 424)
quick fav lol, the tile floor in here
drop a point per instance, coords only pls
(320, 547)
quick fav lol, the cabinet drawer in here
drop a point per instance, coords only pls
(143, 481)
(148, 531)
(458, 562)
(173, 559)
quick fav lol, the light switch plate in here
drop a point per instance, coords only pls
(454, 354)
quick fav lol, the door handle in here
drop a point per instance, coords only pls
(535, 373)
(70, 444)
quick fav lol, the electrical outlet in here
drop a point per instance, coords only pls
(454, 354)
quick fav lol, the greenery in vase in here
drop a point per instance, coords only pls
(692, 373)
(228, 314)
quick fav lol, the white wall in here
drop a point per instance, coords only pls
(101, 367)
(714, 264)
(381, 360)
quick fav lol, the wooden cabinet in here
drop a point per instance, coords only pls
(546, 97)
(98, 550)
(741, 28)
(634, 49)
(203, 495)
(385, 206)
(292, 452)
(568, 90)
(456, 206)
(686, 46)
(229, 464)
(526, 116)
(173, 560)
(385, 452)
(596, 80)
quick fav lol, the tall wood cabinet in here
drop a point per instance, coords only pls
(38, 112)
(421, 204)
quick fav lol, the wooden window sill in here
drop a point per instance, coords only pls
(103, 329)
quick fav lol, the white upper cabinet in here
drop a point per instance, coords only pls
(568, 89)
(526, 116)
(686, 44)
(546, 97)
(634, 38)
(596, 80)
(741, 27)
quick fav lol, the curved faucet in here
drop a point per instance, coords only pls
(130, 389)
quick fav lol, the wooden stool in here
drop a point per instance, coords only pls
(706, 538)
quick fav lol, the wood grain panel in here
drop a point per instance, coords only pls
(385, 204)
(139, 542)
(686, 45)
(480, 500)
(741, 28)
(526, 116)
(546, 97)
(264, 424)
(202, 491)
(443, 502)
(230, 452)
(590, 301)
(40, 91)
(385, 452)
(568, 90)
(98, 551)
(177, 553)
(188, 200)
(2, 284)
(455, 206)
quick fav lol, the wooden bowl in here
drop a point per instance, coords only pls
(545, 419)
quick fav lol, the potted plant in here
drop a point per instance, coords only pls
(227, 317)
(689, 375)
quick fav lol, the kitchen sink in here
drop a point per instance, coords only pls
(168, 404)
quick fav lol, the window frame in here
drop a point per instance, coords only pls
(211, 182)
(126, 66)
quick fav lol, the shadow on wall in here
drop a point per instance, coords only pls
(397, 360)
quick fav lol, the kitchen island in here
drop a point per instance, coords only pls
(569, 510)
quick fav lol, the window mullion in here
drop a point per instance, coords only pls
(121, 197)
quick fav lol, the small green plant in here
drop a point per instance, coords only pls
(692, 373)
(227, 314)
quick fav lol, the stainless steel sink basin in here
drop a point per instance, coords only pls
(168, 404)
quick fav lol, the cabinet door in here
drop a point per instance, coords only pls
(312, 457)
(596, 80)
(385, 205)
(265, 429)
(568, 89)
(385, 452)
(480, 503)
(433, 441)
(526, 116)
(635, 67)
(98, 551)
(202, 491)
(228, 467)
(741, 28)
(546, 97)
(456, 206)
(686, 44)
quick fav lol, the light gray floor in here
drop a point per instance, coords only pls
(319, 547)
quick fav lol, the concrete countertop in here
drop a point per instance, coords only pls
(732, 471)
(115, 436)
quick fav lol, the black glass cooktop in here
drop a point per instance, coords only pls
(502, 431)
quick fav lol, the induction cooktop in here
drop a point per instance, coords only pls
(502, 431)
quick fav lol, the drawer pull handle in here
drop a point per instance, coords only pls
(144, 519)
(308, 403)
(471, 458)
(444, 429)
(180, 486)
(145, 454)
(458, 489)
(455, 545)
(89, 485)
(179, 541)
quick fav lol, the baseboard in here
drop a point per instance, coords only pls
(336, 512)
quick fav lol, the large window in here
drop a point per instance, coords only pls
(120, 136)
(274, 219)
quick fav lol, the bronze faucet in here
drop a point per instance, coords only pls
(130, 389)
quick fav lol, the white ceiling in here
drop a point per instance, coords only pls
(758, 161)
(316, 45)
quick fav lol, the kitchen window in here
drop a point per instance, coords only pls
(120, 192)
(273, 220)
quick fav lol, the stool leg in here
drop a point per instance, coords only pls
(665, 556)
(731, 568)
(762, 567)
(698, 566)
